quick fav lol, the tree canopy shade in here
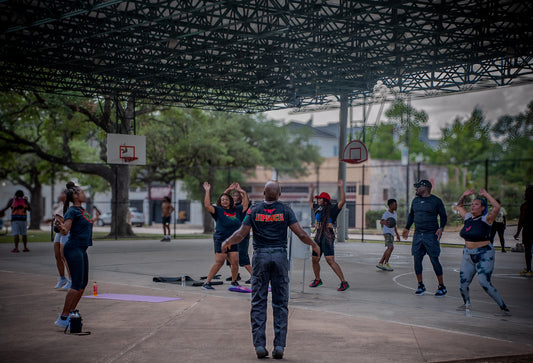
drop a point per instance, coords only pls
(256, 55)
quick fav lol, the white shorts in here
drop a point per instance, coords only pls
(60, 238)
(19, 228)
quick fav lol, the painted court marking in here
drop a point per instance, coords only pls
(141, 298)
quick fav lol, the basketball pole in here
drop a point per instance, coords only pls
(343, 122)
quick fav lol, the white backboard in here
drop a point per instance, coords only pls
(126, 149)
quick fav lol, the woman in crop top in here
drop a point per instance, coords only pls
(478, 253)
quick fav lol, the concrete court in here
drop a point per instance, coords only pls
(379, 319)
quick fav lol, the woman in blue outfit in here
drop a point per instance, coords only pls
(478, 253)
(228, 219)
(79, 223)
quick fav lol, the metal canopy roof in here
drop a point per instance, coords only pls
(253, 55)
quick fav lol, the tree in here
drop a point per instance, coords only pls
(198, 146)
(408, 125)
(382, 144)
(62, 129)
(515, 135)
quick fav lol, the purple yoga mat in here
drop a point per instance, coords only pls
(124, 297)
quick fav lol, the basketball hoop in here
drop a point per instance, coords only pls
(355, 153)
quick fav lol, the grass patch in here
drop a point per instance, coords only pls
(44, 236)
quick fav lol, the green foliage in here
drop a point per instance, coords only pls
(199, 146)
(382, 144)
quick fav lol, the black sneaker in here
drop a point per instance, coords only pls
(207, 286)
(238, 278)
(235, 283)
(441, 291)
(261, 352)
(421, 290)
(277, 353)
(248, 281)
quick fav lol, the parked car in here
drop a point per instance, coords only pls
(137, 218)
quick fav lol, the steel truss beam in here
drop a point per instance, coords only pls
(256, 55)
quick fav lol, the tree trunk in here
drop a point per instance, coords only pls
(120, 191)
(36, 203)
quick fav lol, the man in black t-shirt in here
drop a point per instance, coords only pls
(269, 221)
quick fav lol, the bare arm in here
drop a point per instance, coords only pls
(460, 208)
(245, 200)
(311, 196)
(63, 225)
(521, 220)
(207, 198)
(495, 206)
(304, 237)
(343, 194)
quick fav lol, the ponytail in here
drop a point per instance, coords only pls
(69, 192)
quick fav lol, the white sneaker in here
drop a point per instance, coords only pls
(62, 323)
(61, 282)
(67, 285)
(387, 267)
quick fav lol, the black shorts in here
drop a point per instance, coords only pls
(166, 221)
(218, 246)
(326, 243)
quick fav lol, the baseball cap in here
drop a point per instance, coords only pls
(324, 195)
(423, 183)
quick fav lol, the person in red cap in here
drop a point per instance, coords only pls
(325, 217)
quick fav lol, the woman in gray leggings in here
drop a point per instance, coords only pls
(478, 253)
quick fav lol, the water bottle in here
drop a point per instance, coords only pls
(468, 313)
(95, 289)
(183, 279)
(75, 321)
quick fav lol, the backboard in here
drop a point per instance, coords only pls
(126, 149)
(355, 152)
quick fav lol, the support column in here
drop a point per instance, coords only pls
(342, 225)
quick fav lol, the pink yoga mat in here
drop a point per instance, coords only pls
(124, 297)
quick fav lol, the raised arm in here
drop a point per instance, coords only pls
(460, 207)
(311, 195)
(495, 206)
(343, 194)
(207, 198)
(245, 201)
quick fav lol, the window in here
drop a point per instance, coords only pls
(351, 189)
(364, 189)
(294, 189)
(386, 194)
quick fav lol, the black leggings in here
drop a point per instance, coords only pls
(78, 264)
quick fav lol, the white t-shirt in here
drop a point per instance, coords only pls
(387, 215)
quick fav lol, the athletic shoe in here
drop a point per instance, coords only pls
(15, 250)
(238, 278)
(504, 312)
(261, 352)
(387, 267)
(25, 249)
(207, 286)
(235, 283)
(277, 353)
(441, 291)
(380, 266)
(165, 239)
(503, 250)
(60, 323)
(524, 272)
(529, 274)
(315, 283)
(61, 282)
(248, 281)
(67, 285)
(344, 286)
(421, 290)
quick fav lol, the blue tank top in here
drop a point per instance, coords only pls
(475, 229)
